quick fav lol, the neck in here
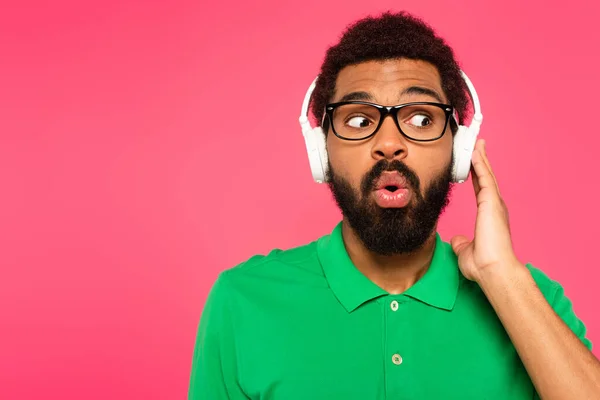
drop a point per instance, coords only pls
(395, 273)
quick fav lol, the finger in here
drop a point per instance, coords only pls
(458, 243)
(487, 163)
(476, 186)
(483, 174)
(475, 181)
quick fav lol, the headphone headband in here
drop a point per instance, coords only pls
(474, 98)
(306, 102)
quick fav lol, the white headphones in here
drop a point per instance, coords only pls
(464, 139)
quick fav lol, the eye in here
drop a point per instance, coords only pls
(358, 122)
(420, 120)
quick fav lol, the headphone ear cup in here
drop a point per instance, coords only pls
(322, 149)
(317, 153)
(464, 142)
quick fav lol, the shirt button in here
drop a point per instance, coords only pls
(396, 359)
(394, 305)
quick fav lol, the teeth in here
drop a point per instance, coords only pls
(389, 196)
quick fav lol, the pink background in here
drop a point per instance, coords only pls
(147, 146)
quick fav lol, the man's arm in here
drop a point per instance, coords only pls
(214, 368)
(558, 362)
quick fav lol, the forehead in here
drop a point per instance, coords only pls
(386, 80)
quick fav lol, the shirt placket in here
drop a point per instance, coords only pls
(394, 362)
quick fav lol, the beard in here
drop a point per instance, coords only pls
(389, 231)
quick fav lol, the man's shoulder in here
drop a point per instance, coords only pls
(293, 264)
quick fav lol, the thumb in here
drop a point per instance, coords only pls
(458, 243)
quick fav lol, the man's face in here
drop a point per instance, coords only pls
(385, 222)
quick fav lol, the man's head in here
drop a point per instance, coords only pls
(391, 186)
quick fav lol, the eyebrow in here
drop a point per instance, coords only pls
(356, 96)
(411, 90)
(423, 91)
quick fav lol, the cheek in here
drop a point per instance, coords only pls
(349, 162)
(439, 161)
(433, 162)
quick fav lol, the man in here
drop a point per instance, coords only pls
(382, 308)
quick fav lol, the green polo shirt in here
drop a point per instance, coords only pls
(306, 324)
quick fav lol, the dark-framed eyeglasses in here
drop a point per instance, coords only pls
(419, 121)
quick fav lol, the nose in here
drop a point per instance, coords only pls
(389, 142)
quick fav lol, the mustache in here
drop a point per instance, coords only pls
(370, 179)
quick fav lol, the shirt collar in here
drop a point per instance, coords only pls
(437, 288)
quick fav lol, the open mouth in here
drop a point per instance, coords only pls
(391, 191)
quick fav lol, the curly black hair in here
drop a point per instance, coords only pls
(390, 36)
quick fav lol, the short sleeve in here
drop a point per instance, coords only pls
(214, 365)
(562, 305)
